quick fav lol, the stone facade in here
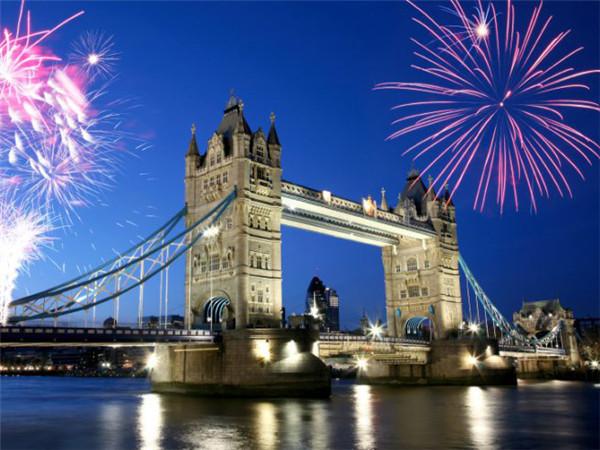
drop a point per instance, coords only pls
(242, 264)
(422, 276)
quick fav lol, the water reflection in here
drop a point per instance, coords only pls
(266, 425)
(479, 416)
(150, 421)
(363, 415)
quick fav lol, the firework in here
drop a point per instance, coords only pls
(22, 237)
(496, 104)
(94, 51)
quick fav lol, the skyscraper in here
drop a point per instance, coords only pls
(323, 303)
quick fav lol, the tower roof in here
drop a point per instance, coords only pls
(233, 118)
(316, 285)
(193, 146)
(415, 190)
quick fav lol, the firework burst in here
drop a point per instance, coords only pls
(22, 237)
(496, 104)
(95, 53)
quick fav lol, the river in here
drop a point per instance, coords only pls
(118, 413)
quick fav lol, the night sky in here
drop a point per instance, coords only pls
(314, 65)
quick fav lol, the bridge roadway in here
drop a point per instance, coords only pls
(390, 349)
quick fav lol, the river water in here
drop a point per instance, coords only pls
(117, 413)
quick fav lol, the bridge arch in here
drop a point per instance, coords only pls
(419, 327)
(217, 313)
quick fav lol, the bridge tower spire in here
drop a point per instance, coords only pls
(234, 278)
(421, 276)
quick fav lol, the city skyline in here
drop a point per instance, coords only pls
(326, 144)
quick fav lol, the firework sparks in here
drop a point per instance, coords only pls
(94, 51)
(22, 237)
(496, 105)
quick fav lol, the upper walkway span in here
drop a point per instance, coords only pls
(322, 212)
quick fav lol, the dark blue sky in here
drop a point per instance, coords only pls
(314, 65)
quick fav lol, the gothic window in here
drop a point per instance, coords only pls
(260, 173)
(205, 184)
(266, 262)
(424, 292)
(218, 157)
(267, 289)
(251, 260)
(212, 181)
(214, 262)
(427, 264)
(225, 178)
(398, 269)
(260, 152)
(252, 309)
(411, 264)
(229, 223)
(225, 263)
(195, 261)
(203, 265)
(413, 291)
(260, 296)
(212, 160)
(259, 262)
(402, 294)
(218, 180)
(267, 224)
(252, 287)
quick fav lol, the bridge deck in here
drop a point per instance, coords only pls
(39, 336)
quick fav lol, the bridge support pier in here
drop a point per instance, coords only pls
(450, 362)
(246, 363)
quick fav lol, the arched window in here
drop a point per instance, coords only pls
(259, 262)
(411, 264)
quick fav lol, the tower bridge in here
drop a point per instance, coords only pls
(235, 205)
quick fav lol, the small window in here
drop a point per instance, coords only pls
(203, 266)
(424, 292)
(260, 296)
(259, 262)
(205, 184)
(413, 291)
(225, 263)
(402, 294)
(218, 180)
(398, 269)
(214, 262)
(411, 264)
(225, 178)
(427, 264)
(252, 288)
(218, 158)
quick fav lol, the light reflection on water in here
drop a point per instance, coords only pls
(90, 414)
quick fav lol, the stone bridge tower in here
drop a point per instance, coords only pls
(422, 280)
(234, 278)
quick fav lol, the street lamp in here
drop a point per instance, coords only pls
(376, 331)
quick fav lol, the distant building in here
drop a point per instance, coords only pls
(323, 303)
(539, 318)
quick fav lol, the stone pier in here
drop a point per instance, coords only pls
(246, 363)
(450, 362)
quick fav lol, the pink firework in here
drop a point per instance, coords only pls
(496, 104)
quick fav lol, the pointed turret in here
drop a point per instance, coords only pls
(273, 139)
(233, 118)
(447, 197)
(384, 204)
(193, 147)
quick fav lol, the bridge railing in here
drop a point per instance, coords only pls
(339, 337)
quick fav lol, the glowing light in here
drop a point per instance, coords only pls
(211, 232)
(473, 327)
(375, 331)
(262, 350)
(524, 147)
(472, 360)
(594, 364)
(151, 361)
(93, 59)
(291, 350)
(482, 30)
(361, 363)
